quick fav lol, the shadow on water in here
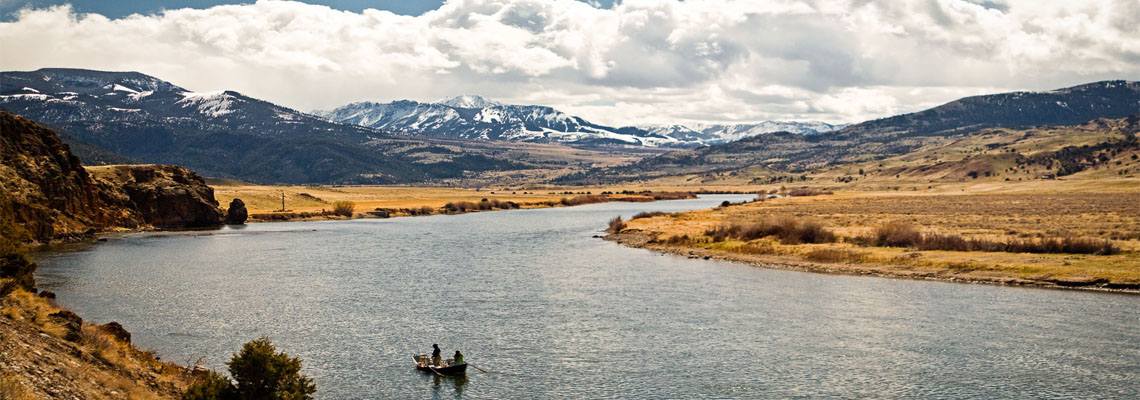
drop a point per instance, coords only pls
(440, 384)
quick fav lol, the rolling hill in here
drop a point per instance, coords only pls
(887, 137)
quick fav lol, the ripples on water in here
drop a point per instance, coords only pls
(556, 313)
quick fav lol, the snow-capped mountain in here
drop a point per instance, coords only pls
(132, 116)
(709, 134)
(474, 117)
(61, 95)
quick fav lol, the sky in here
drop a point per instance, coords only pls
(617, 63)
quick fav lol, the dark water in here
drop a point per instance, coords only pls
(558, 314)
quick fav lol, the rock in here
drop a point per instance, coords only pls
(52, 196)
(71, 322)
(236, 214)
(165, 196)
(114, 329)
(47, 294)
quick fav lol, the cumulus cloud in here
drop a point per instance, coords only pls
(639, 61)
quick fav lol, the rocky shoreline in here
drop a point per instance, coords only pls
(638, 239)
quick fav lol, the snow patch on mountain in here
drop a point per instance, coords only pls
(213, 104)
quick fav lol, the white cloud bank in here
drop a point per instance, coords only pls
(642, 61)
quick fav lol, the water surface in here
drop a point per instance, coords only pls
(557, 313)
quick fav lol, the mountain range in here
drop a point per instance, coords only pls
(882, 138)
(116, 117)
(129, 116)
(474, 117)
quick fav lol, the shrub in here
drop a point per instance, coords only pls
(344, 208)
(808, 192)
(259, 372)
(678, 240)
(211, 386)
(897, 234)
(616, 225)
(788, 229)
(646, 214)
(904, 235)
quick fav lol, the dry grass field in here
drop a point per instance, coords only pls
(260, 200)
(998, 215)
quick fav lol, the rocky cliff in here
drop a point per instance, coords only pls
(47, 192)
(163, 196)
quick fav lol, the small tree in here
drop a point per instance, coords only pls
(344, 207)
(260, 372)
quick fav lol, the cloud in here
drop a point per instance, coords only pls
(638, 61)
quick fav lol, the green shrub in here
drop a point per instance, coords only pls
(259, 372)
(211, 386)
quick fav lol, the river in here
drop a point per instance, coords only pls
(553, 312)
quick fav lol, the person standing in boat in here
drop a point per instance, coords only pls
(458, 357)
(435, 355)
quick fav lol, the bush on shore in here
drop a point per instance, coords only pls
(789, 230)
(344, 208)
(259, 372)
(647, 214)
(901, 234)
(616, 225)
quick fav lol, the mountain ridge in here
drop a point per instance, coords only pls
(226, 134)
(889, 136)
(475, 117)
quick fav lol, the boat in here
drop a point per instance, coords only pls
(446, 367)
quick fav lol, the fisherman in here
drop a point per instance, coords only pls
(435, 355)
(458, 357)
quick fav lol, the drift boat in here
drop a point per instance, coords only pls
(446, 367)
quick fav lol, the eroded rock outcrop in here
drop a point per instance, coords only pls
(236, 214)
(49, 195)
(164, 196)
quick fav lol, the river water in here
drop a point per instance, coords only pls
(553, 312)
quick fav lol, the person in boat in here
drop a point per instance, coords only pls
(435, 355)
(458, 357)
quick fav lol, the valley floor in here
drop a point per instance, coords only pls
(264, 203)
(1104, 212)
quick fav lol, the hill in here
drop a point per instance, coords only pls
(888, 137)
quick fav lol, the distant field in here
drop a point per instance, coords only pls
(1029, 212)
(268, 199)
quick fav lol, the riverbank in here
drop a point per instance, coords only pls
(48, 352)
(929, 237)
(303, 203)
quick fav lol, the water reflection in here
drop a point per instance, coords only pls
(443, 383)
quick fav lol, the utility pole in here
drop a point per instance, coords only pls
(282, 201)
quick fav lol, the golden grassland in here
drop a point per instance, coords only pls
(260, 199)
(36, 361)
(1100, 210)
